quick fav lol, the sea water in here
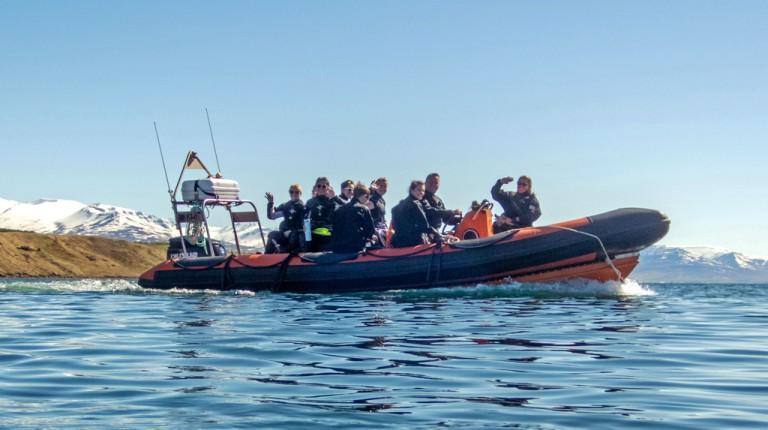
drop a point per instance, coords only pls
(107, 354)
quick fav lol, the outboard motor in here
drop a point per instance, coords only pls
(175, 251)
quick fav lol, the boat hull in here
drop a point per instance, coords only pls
(602, 247)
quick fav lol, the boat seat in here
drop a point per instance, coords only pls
(482, 242)
(327, 257)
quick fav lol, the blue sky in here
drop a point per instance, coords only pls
(605, 104)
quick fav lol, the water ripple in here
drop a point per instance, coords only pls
(105, 353)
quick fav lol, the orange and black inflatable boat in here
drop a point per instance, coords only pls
(602, 247)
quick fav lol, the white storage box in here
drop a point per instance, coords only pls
(211, 188)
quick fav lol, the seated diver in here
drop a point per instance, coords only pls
(352, 223)
(440, 215)
(289, 236)
(521, 208)
(378, 207)
(409, 219)
(319, 209)
(345, 193)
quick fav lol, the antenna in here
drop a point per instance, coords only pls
(162, 158)
(213, 141)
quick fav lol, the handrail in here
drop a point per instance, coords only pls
(235, 218)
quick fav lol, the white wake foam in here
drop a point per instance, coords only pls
(575, 288)
(71, 285)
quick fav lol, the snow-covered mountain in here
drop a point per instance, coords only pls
(700, 265)
(39, 216)
(72, 217)
(116, 223)
(5, 204)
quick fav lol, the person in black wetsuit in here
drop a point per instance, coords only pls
(521, 208)
(289, 237)
(352, 223)
(378, 207)
(345, 193)
(319, 209)
(409, 219)
(441, 214)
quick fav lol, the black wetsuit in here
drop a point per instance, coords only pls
(290, 233)
(320, 209)
(409, 219)
(352, 227)
(292, 213)
(439, 215)
(339, 201)
(522, 208)
(379, 211)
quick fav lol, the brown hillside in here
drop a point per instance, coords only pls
(26, 254)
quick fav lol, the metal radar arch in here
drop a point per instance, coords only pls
(199, 197)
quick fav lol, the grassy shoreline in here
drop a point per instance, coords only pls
(33, 255)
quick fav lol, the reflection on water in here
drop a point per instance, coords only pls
(77, 354)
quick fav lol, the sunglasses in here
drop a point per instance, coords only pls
(522, 184)
(321, 186)
(294, 192)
